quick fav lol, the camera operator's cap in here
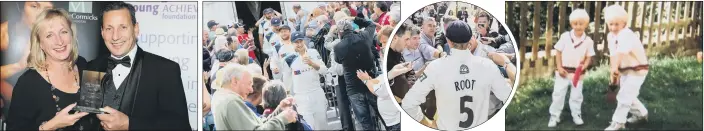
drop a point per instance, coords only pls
(276, 21)
(458, 32)
(212, 23)
(297, 35)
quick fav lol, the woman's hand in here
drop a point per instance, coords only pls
(63, 119)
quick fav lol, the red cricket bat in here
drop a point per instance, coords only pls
(577, 75)
(578, 71)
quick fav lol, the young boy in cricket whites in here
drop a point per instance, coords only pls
(629, 67)
(574, 52)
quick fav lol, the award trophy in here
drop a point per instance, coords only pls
(91, 93)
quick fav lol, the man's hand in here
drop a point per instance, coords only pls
(250, 45)
(275, 70)
(615, 78)
(427, 122)
(266, 63)
(114, 119)
(286, 102)
(308, 61)
(399, 69)
(290, 115)
(277, 13)
(614, 71)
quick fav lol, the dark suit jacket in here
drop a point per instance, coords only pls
(355, 50)
(160, 101)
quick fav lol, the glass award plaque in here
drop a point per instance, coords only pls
(91, 92)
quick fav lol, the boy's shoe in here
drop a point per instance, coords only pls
(636, 118)
(615, 126)
(553, 121)
(578, 120)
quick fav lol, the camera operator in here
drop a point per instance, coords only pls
(355, 52)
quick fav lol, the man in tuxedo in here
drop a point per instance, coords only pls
(141, 90)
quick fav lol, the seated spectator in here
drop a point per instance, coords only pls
(230, 111)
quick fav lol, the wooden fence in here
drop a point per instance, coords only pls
(661, 26)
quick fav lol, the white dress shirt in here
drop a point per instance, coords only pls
(120, 72)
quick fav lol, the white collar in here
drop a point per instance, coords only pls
(582, 38)
(620, 32)
(406, 51)
(462, 53)
(131, 54)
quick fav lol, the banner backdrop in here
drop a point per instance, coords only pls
(170, 29)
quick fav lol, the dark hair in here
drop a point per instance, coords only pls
(401, 30)
(118, 6)
(382, 6)
(297, 6)
(224, 55)
(427, 18)
(229, 41)
(257, 85)
(275, 92)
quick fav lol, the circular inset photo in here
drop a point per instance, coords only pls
(451, 65)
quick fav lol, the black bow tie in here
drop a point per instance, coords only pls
(113, 62)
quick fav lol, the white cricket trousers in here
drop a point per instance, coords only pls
(627, 98)
(312, 106)
(558, 96)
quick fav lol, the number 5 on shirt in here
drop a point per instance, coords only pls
(465, 109)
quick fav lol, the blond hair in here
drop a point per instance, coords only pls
(37, 56)
(385, 31)
(339, 15)
(615, 12)
(579, 14)
(242, 56)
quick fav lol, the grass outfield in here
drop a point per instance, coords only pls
(672, 93)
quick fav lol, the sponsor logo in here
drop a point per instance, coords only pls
(83, 18)
(169, 11)
(80, 7)
(464, 69)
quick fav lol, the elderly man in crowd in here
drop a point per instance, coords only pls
(230, 111)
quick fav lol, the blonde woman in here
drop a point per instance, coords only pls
(46, 93)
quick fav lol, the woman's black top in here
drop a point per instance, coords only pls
(33, 102)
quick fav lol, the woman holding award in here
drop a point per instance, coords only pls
(45, 95)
